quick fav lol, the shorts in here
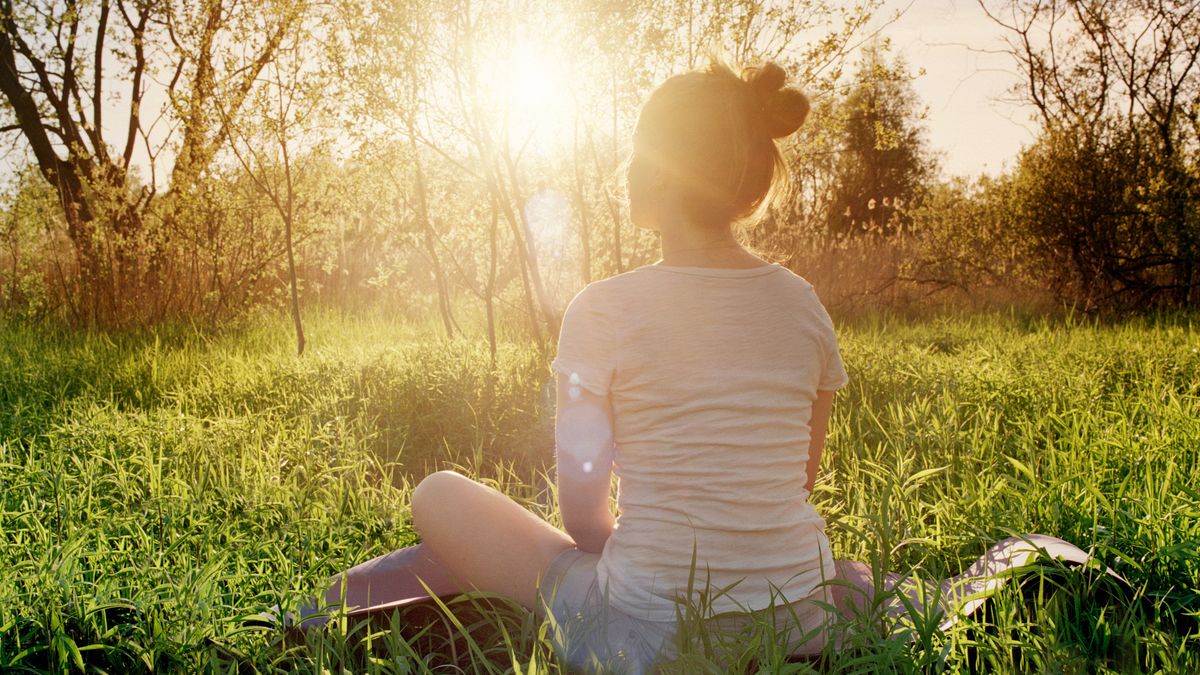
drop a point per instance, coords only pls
(592, 636)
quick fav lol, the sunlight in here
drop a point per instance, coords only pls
(535, 101)
(548, 214)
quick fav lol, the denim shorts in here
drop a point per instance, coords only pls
(594, 637)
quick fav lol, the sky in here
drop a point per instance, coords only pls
(971, 119)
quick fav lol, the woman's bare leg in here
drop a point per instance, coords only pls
(486, 540)
(855, 593)
(495, 545)
(387, 578)
(855, 590)
(393, 576)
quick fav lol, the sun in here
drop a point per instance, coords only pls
(535, 107)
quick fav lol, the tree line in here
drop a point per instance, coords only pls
(196, 158)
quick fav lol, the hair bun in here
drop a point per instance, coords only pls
(783, 109)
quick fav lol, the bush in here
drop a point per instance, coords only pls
(1111, 214)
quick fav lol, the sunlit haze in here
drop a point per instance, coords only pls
(531, 88)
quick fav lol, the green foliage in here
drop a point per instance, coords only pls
(1109, 195)
(884, 166)
(1115, 217)
(160, 485)
(967, 235)
(493, 104)
(31, 215)
(861, 170)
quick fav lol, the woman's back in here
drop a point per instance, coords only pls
(712, 374)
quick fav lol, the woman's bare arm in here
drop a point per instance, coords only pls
(584, 453)
(818, 426)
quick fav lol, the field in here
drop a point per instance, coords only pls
(160, 486)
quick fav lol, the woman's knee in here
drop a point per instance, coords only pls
(431, 493)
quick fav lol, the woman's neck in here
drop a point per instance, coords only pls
(688, 246)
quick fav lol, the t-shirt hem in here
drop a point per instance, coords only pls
(661, 615)
(826, 571)
(839, 384)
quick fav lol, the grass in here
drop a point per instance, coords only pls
(156, 487)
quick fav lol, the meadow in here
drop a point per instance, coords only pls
(159, 486)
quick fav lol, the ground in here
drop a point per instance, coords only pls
(160, 485)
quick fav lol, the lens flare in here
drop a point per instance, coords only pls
(584, 436)
(548, 214)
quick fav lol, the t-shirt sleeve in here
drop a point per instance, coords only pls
(833, 372)
(586, 352)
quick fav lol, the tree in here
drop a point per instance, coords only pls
(883, 165)
(184, 208)
(1114, 179)
(283, 144)
(1097, 209)
(29, 215)
(60, 64)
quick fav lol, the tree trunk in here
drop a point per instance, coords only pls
(502, 198)
(547, 312)
(616, 214)
(490, 296)
(585, 238)
(289, 217)
(613, 211)
(295, 291)
(444, 305)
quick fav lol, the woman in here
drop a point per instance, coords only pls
(704, 380)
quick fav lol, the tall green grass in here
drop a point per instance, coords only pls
(158, 486)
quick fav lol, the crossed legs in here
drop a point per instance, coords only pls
(473, 537)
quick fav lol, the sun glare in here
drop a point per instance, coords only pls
(535, 100)
(548, 214)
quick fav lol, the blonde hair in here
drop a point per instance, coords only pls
(713, 132)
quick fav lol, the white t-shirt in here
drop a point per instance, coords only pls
(712, 373)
